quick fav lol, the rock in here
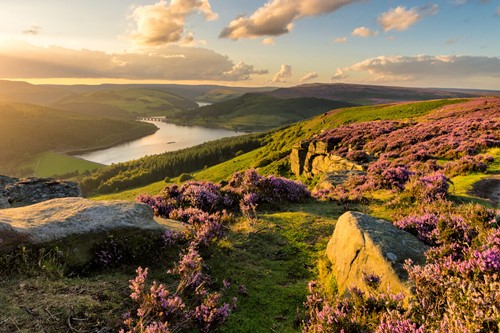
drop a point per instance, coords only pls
(363, 244)
(23, 192)
(311, 158)
(332, 179)
(74, 225)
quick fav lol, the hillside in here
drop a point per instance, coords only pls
(26, 130)
(126, 103)
(370, 94)
(257, 111)
(265, 266)
(23, 92)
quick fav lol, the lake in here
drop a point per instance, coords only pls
(169, 137)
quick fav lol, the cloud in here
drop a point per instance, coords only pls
(364, 32)
(276, 17)
(284, 74)
(401, 19)
(308, 77)
(448, 68)
(497, 12)
(167, 63)
(242, 71)
(463, 2)
(163, 23)
(340, 40)
(339, 75)
(268, 41)
(33, 30)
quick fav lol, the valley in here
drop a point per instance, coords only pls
(254, 215)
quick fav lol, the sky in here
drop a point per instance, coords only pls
(446, 43)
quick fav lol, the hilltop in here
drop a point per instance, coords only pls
(370, 94)
(257, 111)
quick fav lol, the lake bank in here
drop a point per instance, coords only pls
(168, 137)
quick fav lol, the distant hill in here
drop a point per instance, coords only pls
(203, 93)
(257, 111)
(26, 130)
(126, 103)
(369, 94)
(24, 92)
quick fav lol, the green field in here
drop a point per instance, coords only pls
(50, 164)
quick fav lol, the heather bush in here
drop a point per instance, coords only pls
(457, 290)
(468, 164)
(427, 188)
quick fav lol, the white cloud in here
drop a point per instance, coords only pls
(242, 71)
(276, 17)
(284, 74)
(401, 19)
(340, 40)
(268, 41)
(168, 63)
(364, 32)
(33, 30)
(163, 23)
(308, 77)
(446, 68)
(339, 75)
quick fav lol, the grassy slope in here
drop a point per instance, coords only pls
(50, 164)
(126, 103)
(273, 257)
(27, 130)
(254, 111)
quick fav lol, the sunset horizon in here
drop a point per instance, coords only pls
(278, 43)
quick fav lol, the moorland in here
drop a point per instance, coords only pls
(259, 217)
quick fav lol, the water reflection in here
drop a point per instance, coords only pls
(169, 137)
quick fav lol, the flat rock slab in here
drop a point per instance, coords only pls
(363, 244)
(75, 223)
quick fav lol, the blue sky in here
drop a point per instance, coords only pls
(448, 43)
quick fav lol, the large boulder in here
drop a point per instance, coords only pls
(75, 225)
(362, 244)
(23, 192)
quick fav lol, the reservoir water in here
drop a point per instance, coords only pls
(169, 137)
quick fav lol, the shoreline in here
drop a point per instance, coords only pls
(119, 142)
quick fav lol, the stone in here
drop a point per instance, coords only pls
(363, 244)
(331, 179)
(312, 158)
(75, 225)
(23, 192)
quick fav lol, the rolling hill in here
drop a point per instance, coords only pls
(26, 130)
(126, 103)
(257, 111)
(24, 92)
(370, 94)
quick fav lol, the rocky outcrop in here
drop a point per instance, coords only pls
(23, 192)
(75, 225)
(363, 244)
(311, 158)
(331, 179)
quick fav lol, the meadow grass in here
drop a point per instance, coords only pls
(50, 163)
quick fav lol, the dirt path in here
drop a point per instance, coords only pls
(489, 189)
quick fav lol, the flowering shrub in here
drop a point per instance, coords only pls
(467, 164)
(457, 290)
(428, 188)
